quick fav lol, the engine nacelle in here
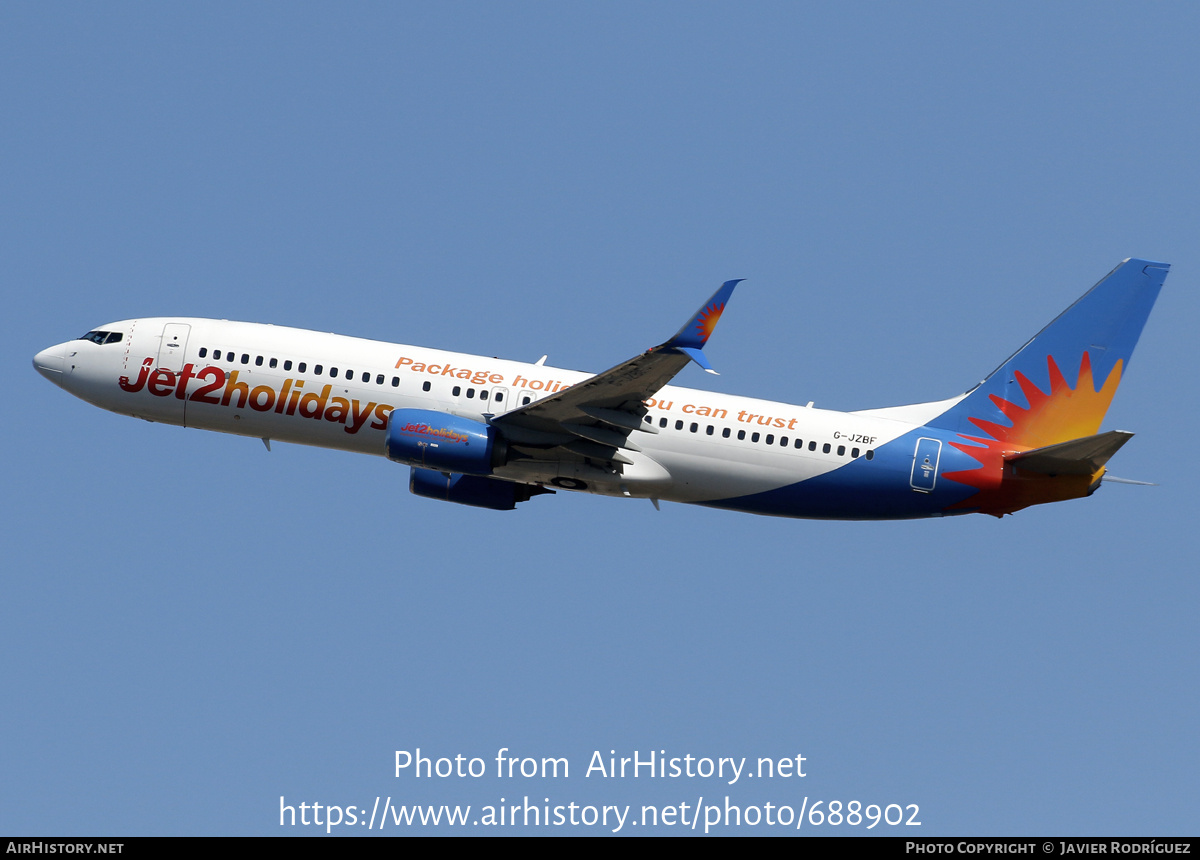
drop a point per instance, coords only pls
(447, 443)
(470, 489)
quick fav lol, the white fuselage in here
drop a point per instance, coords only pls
(313, 388)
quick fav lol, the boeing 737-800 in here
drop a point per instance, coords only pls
(492, 433)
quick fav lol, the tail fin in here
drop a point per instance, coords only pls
(1058, 386)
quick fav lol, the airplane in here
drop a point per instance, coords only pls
(493, 433)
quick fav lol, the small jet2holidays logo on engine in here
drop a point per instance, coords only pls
(443, 433)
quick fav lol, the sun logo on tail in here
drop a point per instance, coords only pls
(1058, 415)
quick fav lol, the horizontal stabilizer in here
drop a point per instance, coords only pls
(1083, 456)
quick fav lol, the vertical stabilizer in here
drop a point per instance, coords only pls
(1059, 385)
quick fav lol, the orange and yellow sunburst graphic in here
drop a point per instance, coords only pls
(1058, 415)
(707, 320)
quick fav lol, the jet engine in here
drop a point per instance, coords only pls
(447, 443)
(471, 489)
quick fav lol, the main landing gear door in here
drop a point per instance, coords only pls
(925, 464)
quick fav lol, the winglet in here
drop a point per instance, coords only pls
(695, 331)
(690, 339)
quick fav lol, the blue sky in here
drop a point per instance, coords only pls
(193, 628)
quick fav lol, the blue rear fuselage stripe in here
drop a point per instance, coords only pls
(879, 488)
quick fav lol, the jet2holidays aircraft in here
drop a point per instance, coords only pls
(492, 433)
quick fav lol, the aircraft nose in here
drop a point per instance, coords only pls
(49, 363)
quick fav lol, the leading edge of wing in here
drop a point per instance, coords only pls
(613, 400)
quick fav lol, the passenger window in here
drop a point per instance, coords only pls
(870, 454)
(287, 365)
(456, 390)
(378, 379)
(317, 368)
(470, 393)
(526, 400)
(366, 377)
(826, 448)
(754, 437)
(216, 354)
(395, 382)
(662, 422)
(854, 453)
(333, 371)
(770, 438)
(799, 444)
(694, 427)
(303, 366)
(203, 351)
(350, 375)
(499, 396)
(709, 430)
(741, 435)
(783, 441)
(425, 386)
(841, 450)
(725, 433)
(245, 358)
(274, 362)
(258, 361)
(812, 446)
(678, 425)
(483, 394)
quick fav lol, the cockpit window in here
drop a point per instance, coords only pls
(103, 337)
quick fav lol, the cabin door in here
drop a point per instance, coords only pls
(173, 346)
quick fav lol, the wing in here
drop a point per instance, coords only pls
(594, 419)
